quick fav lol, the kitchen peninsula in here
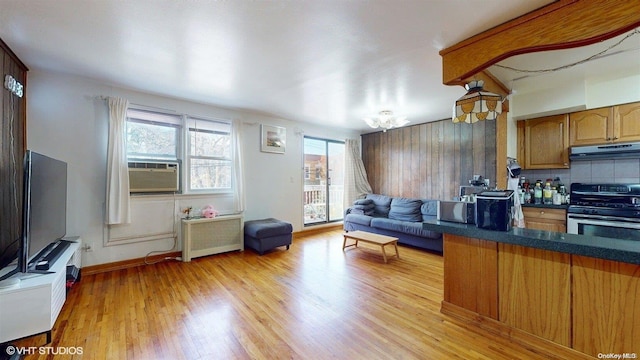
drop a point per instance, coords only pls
(566, 295)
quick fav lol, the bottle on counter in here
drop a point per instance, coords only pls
(547, 194)
(537, 193)
(557, 198)
(563, 194)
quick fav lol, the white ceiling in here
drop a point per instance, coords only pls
(320, 61)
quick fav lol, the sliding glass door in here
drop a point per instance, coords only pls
(323, 180)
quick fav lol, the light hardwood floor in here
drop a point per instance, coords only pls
(311, 302)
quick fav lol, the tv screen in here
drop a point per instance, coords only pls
(45, 205)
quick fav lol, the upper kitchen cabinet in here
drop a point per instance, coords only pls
(614, 124)
(544, 142)
(626, 122)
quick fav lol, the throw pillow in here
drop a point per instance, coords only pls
(404, 209)
(382, 204)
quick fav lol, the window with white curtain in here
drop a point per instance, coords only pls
(153, 135)
(207, 163)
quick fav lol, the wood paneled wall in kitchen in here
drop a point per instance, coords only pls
(429, 160)
(12, 147)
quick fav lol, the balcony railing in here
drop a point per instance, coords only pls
(315, 203)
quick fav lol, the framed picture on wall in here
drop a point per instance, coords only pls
(273, 139)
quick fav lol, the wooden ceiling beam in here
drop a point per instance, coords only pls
(561, 25)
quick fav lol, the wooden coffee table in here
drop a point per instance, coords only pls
(367, 237)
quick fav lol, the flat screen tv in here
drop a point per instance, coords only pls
(44, 215)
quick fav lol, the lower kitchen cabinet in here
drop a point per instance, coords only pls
(545, 219)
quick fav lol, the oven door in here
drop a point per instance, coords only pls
(605, 226)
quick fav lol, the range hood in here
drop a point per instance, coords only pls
(609, 151)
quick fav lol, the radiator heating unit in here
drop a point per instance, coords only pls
(202, 237)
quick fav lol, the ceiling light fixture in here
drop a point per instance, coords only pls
(386, 120)
(477, 104)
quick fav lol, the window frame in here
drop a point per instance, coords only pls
(177, 125)
(182, 122)
(188, 157)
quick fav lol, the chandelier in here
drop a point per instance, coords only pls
(477, 104)
(386, 120)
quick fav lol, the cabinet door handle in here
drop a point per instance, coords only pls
(541, 212)
(615, 138)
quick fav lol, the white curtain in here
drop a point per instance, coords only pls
(238, 164)
(118, 210)
(356, 184)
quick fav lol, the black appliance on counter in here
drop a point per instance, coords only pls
(607, 210)
(493, 209)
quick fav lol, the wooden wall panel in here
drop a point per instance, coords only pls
(535, 291)
(429, 160)
(425, 159)
(606, 306)
(490, 169)
(436, 180)
(415, 163)
(464, 256)
(466, 154)
(12, 147)
(448, 153)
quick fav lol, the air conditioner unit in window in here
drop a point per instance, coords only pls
(147, 177)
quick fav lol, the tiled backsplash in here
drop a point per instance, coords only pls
(595, 171)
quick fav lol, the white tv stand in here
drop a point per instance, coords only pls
(32, 306)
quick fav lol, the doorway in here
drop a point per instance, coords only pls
(323, 180)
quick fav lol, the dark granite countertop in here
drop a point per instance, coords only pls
(546, 206)
(627, 251)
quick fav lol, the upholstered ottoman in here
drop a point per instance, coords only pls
(266, 234)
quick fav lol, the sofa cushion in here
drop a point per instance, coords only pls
(382, 204)
(358, 219)
(363, 202)
(405, 209)
(429, 209)
(413, 228)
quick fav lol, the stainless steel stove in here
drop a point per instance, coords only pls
(608, 210)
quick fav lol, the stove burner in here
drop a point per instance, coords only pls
(605, 199)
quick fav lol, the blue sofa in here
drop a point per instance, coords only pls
(397, 217)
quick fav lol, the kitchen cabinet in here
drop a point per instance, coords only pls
(626, 122)
(620, 123)
(544, 142)
(545, 219)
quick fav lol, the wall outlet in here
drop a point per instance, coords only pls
(86, 247)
